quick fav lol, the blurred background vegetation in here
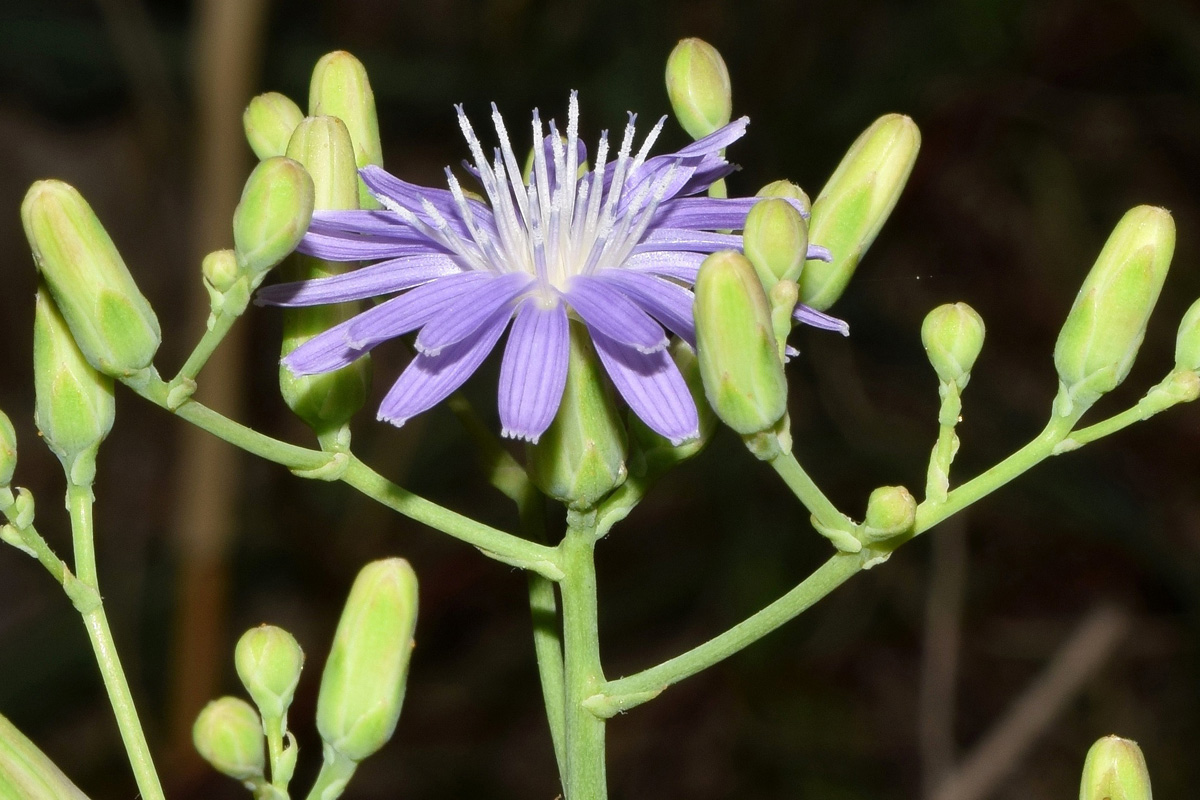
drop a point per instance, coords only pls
(994, 650)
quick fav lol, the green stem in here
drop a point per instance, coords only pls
(585, 768)
(547, 645)
(625, 693)
(823, 511)
(336, 772)
(222, 319)
(79, 502)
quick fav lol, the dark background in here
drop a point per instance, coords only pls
(1042, 122)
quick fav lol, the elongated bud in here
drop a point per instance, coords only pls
(340, 88)
(739, 358)
(788, 191)
(228, 735)
(698, 87)
(74, 403)
(8, 450)
(362, 687)
(1187, 342)
(953, 336)
(581, 456)
(269, 660)
(855, 203)
(328, 400)
(658, 451)
(1115, 769)
(113, 323)
(269, 121)
(1104, 329)
(26, 773)
(775, 240)
(272, 216)
(891, 512)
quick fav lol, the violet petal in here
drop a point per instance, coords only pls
(385, 277)
(653, 387)
(668, 302)
(605, 308)
(470, 310)
(533, 372)
(818, 319)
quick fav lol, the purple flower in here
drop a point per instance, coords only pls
(618, 245)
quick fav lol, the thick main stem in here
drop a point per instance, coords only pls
(79, 502)
(585, 773)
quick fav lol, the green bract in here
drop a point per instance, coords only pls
(891, 512)
(74, 407)
(268, 660)
(699, 88)
(272, 216)
(1104, 329)
(8, 450)
(228, 735)
(775, 240)
(953, 336)
(581, 456)
(855, 203)
(1115, 770)
(269, 121)
(362, 687)
(739, 357)
(328, 400)
(112, 322)
(1187, 341)
(340, 88)
(26, 773)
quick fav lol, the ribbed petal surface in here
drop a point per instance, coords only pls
(606, 309)
(818, 319)
(667, 302)
(653, 387)
(679, 264)
(472, 308)
(534, 370)
(386, 277)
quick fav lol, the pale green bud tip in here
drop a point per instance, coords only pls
(340, 88)
(854, 204)
(27, 774)
(229, 736)
(322, 146)
(113, 323)
(8, 450)
(698, 87)
(1115, 769)
(273, 214)
(74, 405)
(581, 456)
(739, 358)
(1104, 329)
(1187, 343)
(775, 240)
(891, 512)
(269, 121)
(362, 687)
(788, 191)
(269, 660)
(220, 269)
(953, 336)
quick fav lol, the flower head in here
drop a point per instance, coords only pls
(617, 242)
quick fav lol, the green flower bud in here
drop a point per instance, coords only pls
(228, 735)
(340, 88)
(855, 202)
(953, 336)
(775, 240)
(788, 191)
(658, 452)
(1187, 342)
(27, 774)
(326, 401)
(272, 216)
(220, 270)
(269, 121)
(8, 450)
(698, 86)
(1115, 770)
(891, 512)
(581, 456)
(1106, 324)
(739, 358)
(269, 660)
(74, 405)
(113, 323)
(362, 687)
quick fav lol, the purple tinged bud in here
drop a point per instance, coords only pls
(1115, 769)
(269, 121)
(272, 216)
(228, 735)
(699, 88)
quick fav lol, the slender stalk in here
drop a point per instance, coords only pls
(79, 502)
(625, 693)
(547, 645)
(823, 511)
(937, 482)
(585, 772)
(336, 772)
(221, 323)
